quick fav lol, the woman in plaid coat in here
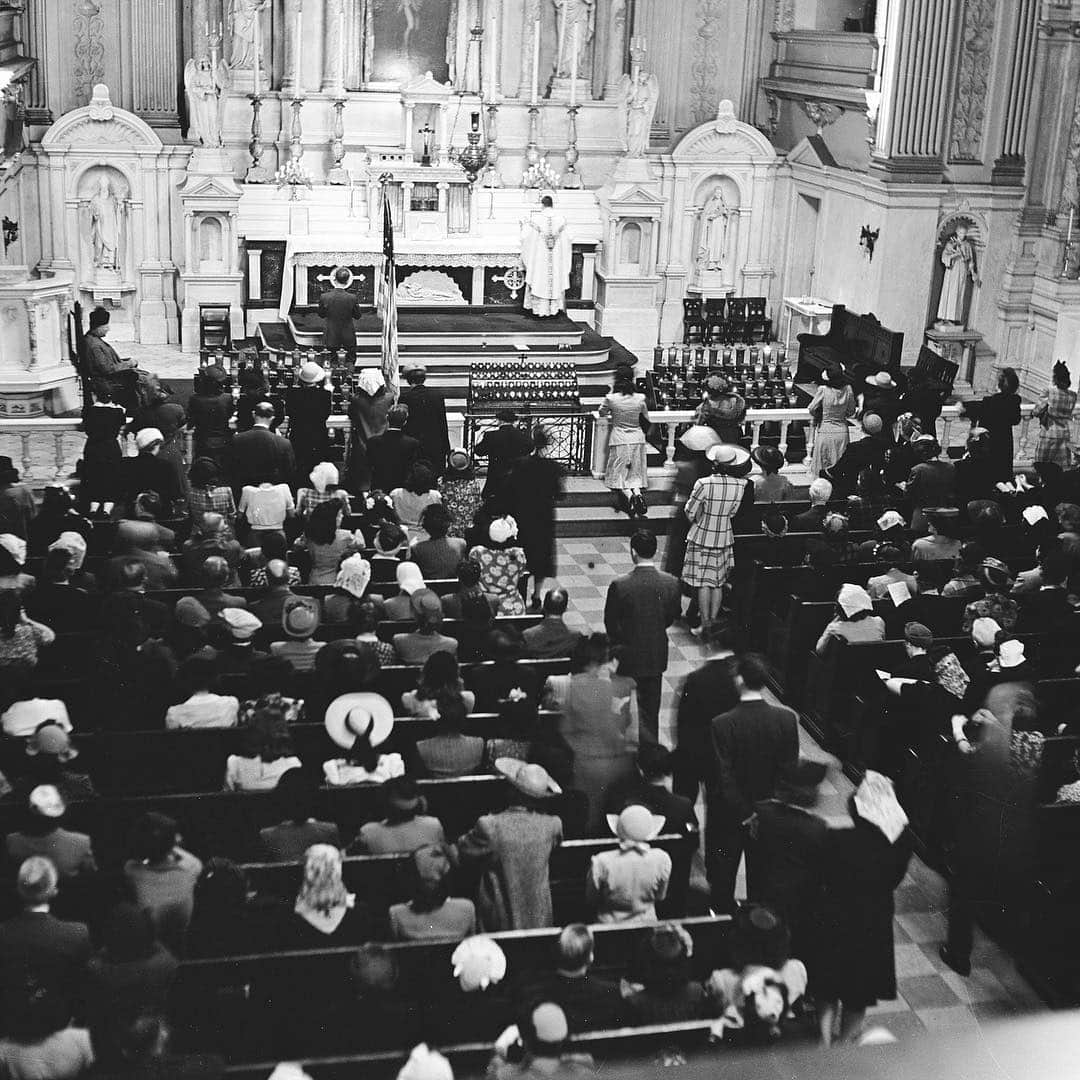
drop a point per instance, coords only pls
(710, 543)
(1055, 419)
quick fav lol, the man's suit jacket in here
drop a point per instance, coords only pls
(39, 940)
(676, 810)
(339, 308)
(707, 692)
(261, 452)
(268, 608)
(502, 447)
(640, 607)
(809, 521)
(750, 743)
(550, 638)
(427, 424)
(390, 457)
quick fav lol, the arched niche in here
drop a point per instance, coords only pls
(976, 232)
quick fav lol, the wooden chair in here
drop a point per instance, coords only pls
(693, 323)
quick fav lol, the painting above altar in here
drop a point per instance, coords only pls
(406, 38)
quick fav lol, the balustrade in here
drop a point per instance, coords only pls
(46, 450)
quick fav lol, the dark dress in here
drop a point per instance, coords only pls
(427, 424)
(168, 418)
(208, 415)
(999, 414)
(367, 418)
(308, 409)
(857, 965)
(101, 453)
(536, 484)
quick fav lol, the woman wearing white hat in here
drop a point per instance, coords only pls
(854, 619)
(626, 883)
(502, 562)
(360, 723)
(308, 408)
(710, 542)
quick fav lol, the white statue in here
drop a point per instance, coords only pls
(105, 212)
(206, 86)
(243, 24)
(638, 95)
(546, 252)
(713, 237)
(958, 258)
(569, 13)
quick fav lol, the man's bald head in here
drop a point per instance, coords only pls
(555, 602)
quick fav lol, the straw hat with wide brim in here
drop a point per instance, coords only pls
(351, 716)
(700, 438)
(881, 381)
(532, 780)
(637, 824)
(311, 373)
(728, 456)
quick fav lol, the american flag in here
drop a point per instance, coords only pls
(388, 302)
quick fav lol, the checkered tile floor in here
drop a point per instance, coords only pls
(931, 997)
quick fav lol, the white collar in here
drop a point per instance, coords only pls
(751, 695)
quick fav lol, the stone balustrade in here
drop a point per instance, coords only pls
(46, 450)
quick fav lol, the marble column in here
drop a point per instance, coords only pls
(334, 38)
(37, 35)
(293, 47)
(612, 18)
(200, 19)
(653, 21)
(1023, 35)
(154, 32)
(920, 54)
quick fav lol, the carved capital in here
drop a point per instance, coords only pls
(821, 113)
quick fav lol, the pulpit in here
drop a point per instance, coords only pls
(36, 374)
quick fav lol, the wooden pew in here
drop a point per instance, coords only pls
(277, 1004)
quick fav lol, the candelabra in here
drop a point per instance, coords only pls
(257, 172)
(572, 178)
(337, 174)
(296, 146)
(492, 179)
(532, 148)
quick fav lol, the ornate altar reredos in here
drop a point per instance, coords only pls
(724, 175)
(112, 185)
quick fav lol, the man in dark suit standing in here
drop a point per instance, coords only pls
(340, 309)
(751, 744)
(35, 938)
(502, 447)
(707, 692)
(427, 417)
(260, 453)
(392, 454)
(640, 607)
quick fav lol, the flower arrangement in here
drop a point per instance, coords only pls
(294, 176)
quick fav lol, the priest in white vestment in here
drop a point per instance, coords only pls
(546, 251)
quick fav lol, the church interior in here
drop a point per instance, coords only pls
(531, 200)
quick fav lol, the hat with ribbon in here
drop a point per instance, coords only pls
(636, 825)
(300, 616)
(881, 381)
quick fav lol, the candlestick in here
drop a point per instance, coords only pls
(296, 146)
(257, 172)
(297, 49)
(573, 65)
(337, 174)
(571, 178)
(492, 59)
(257, 47)
(1068, 238)
(532, 148)
(341, 54)
(536, 63)
(492, 179)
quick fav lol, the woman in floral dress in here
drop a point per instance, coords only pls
(502, 563)
(460, 491)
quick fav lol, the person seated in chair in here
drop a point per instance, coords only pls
(104, 362)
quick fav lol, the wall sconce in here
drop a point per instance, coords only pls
(11, 233)
(867, 239)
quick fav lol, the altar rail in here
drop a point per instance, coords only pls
(46, 450)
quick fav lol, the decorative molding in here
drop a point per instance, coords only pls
(821, 113)
(705, 69)
(773, 121)
(972, 82)
(1070, 181)
(87, 26)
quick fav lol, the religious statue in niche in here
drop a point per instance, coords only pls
(207, 84)
(715, 226)
(243, 23)
(961, 271)
(107, 207)
(638, 94)
(568, 14)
